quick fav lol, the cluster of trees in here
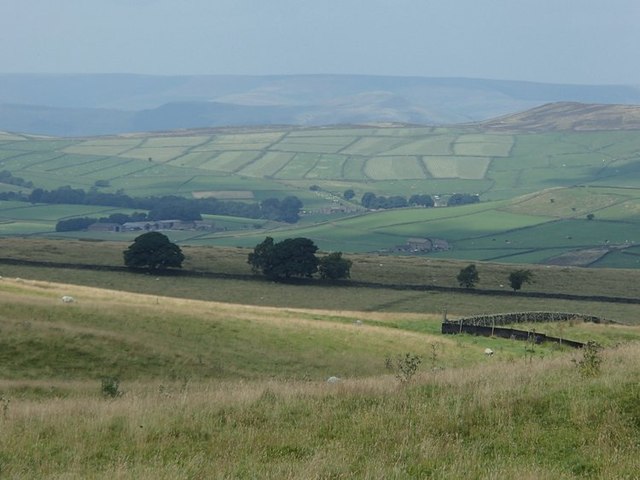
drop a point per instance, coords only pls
(468, 277)
(296, 257)
(7, 177)
(168, 206)
(372, 201)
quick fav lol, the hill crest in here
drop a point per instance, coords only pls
(569, 116)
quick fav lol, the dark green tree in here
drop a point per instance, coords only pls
(261, 256)
(154, 251)
(468, 276)
(292, 257)
(462, 199)
(349, 194)
(519, 277)
(423, 200)
(334, 267)
(368, 200)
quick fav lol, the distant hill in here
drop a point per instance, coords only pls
(563, 116)
(80, 105)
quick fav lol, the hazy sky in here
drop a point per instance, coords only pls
(562, 41)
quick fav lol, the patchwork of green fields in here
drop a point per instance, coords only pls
(543, 218)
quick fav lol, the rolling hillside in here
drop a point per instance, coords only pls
(153, 387)
(559, 184)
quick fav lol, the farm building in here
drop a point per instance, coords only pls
(422, 245)
(151, 226)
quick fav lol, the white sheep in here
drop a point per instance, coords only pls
(488, 352)
(67, 299)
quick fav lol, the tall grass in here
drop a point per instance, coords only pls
(521, 419)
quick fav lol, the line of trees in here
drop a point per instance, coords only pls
(375, 202)
(169, 206)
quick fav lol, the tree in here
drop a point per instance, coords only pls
(368, 200)
(334, 267)
(423, 200)
(261, 256)
(468, 276)
(290, 209)
(292, 257)
(349, 194)
(462, 199)
(519, 277)
(154, 251)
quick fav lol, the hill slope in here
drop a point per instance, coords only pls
(108, 104)
(569, 116)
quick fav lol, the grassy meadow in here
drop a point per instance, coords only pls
(222, 390)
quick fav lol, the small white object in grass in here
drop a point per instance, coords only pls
(488, 351)
(68, 299)
(333, 380)
(358, 322)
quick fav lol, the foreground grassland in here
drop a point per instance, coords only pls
(536, 189)
(215, 390)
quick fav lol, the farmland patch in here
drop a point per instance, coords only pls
(483, 145)
(432, 145)
(267, 165)
(388, 168)
(373, 145)
(230, 161)
(327, 167)
(471, 168)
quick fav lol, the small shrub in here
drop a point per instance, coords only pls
(111, 387)
(404, 367)
(589, 365)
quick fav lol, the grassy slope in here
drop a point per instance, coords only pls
(184, 414)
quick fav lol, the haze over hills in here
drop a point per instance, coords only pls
(99, 104)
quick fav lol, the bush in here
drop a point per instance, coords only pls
(404, 367)
(589, 365)
(111, 387)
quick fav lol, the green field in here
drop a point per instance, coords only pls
(550, 182)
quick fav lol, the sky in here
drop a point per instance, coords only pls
(551, 41)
